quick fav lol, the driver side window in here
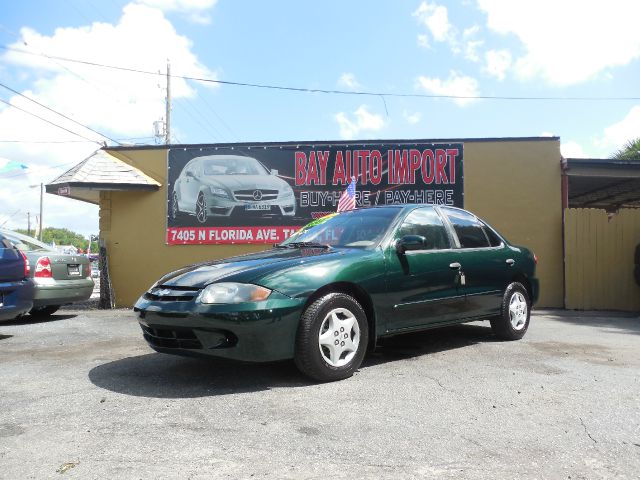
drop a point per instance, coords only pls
(426, 223)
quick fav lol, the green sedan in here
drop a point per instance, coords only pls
(326, 296)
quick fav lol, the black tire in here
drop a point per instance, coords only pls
(44, 311)
(201, 209)
(314, 360)
(175, 207)
(512, 323)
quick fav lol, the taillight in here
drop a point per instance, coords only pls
(535, 259)
(87, 270)
(27, 267)
(43, 268)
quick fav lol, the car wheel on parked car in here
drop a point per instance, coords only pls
(201, 208)
(175, 208)
(332, 338)
(44, 311)
(513, 321)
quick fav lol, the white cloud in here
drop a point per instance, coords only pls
(568, 42)
(365, 122)
(497, 63)
(436, 18)
(572, 150)
(456, 85)
(117, 103)
(423, 40)
(348, 80)
(412, 118)
(616, 135)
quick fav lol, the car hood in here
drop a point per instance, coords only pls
(250, 268)
(245, 182)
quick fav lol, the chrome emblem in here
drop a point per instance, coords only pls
(257, 195)
(162, 291)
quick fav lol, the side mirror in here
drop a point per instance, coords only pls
(274, 171)
(410, 242)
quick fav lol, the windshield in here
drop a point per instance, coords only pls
(234, 166)
(25, 243)
(354, 229)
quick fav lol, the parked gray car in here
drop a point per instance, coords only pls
(59, 278)
(230, 185)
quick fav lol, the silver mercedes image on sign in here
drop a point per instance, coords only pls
(230, 185)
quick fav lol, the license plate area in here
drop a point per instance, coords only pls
(257, 206)
(73, 270)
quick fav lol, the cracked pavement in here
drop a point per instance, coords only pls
(82, 396)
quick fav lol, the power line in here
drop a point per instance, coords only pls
(58, 113)
(46, 141)
(48, 121)
(326, 91)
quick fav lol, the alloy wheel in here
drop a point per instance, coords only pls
(201, 209)
(339, 337)
(518, 311)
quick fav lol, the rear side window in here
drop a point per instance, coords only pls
(427, 223)
(468, 228)
(494, 239)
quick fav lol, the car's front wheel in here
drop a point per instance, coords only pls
(175, 207)
(44, 311)
(332, 338)
(515, 313)
(201, 208)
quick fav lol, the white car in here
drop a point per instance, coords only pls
(230, 185)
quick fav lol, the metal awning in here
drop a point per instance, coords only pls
(603, 183)
(100, 172)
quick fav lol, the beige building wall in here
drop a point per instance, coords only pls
(513, 184)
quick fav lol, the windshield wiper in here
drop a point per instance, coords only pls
(307, 245)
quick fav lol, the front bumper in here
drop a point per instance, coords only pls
(224, 207)
(254, 332)
(61, 292)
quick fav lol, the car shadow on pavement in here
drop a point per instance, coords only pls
(624, 322)
(157, 375)
(29, 319)
(410, 345)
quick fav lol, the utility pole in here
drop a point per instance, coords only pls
(28, 224)
(167, 138)
(41, 192)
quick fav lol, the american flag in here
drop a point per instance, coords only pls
(348, 198)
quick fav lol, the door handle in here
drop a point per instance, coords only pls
(455, 266)
(510, 261)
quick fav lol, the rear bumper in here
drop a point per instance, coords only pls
(61, 292)
(16, 298)
(535, 290)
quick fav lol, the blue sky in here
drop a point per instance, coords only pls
(467, 49)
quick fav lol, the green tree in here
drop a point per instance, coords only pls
(630, 151)
(63, 236)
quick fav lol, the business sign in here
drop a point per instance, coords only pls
(264, 193)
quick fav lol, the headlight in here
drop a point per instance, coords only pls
(288, 193)
(221, 192)
(233, 293)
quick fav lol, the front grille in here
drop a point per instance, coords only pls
(171, 337)
(171, 294)
(250, 195)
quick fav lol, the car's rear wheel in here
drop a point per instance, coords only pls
(201, 208)
(44, 311)
(515, 313)
(332, 338)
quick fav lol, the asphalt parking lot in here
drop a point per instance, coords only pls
(82, 396)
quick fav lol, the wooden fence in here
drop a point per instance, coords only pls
(599, 259)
